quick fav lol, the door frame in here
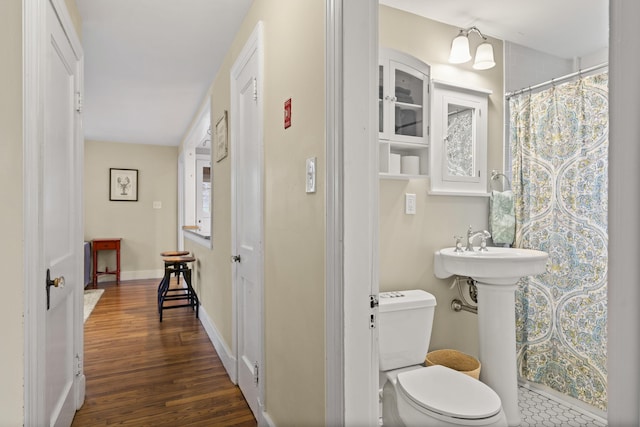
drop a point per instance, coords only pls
(254, 44)
(34, 81)
(351, 269)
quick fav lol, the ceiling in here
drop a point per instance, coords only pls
(149, 63)
(563, 28)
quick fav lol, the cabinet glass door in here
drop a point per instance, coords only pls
(381, 115)
(408, 89)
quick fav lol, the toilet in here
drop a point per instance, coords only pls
(415, 395)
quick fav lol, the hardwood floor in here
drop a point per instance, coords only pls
(141, 372)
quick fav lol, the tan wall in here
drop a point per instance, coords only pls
(294, 220)
(407, 242)
(145, 231)
(11, 215)
(74, 13)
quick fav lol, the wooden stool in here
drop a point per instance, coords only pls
(174, 253)
(177, 265)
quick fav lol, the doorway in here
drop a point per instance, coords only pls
(247, 219)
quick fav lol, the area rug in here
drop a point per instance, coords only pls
(91, 297)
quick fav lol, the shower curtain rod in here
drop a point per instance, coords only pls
(556, 80)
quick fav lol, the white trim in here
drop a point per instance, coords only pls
(68, 27)
(181, 201)
(334, 301)
(623, 320)
(267, 421)
(361, 209)
(224, 352)
(132, 275)
(195, 237)
(255, 43)
(34, 18)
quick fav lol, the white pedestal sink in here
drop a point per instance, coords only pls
(496, 272)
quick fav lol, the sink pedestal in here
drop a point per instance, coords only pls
(496, 272)
(497, 344)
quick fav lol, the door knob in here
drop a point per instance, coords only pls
(235, 258)
(58, 282)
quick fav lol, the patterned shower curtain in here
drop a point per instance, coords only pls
(559, 142)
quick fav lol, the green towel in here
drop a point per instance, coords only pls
(502, 218)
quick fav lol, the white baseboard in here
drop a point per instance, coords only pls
(142, 274)
(225, 354)
(229, 361)
(265, 420)
(133, 275)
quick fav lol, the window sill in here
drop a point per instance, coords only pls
(199, 238)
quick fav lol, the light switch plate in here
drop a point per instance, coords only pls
(157, 205)
(410, 204)
(311, 175)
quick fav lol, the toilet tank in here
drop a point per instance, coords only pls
(404, 326)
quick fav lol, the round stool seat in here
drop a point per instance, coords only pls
(178, 259)
(174, 253)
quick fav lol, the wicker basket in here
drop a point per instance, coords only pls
(455, 360)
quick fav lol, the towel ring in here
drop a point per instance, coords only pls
(495, 175)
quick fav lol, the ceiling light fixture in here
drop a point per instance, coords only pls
(460, 50)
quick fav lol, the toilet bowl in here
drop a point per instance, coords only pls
(438, 396)
(415, 395)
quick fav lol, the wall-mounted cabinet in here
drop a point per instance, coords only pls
(403, 108)
(459, 144)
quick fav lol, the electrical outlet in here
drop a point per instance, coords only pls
(410, 204)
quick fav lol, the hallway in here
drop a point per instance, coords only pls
(141, 372)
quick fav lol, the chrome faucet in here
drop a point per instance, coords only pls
(473, 234)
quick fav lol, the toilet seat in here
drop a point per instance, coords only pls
(449, 393)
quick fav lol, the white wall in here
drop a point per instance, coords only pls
(526, 67)
(145, 231)
(407, 242)
(624, 214)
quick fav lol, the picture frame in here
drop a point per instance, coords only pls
(221, 137)
(123, 185)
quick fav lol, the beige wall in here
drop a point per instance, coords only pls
(407, 242)
(11, 215)
(294, 220)
(145, 231)
(74, 13)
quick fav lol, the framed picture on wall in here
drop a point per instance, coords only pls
(222, 145)
(123, 185)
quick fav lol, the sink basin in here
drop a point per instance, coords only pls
(496, 266)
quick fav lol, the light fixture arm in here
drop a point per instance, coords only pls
(467, 31)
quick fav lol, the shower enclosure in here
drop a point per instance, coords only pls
(559, 150)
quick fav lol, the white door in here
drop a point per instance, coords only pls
(62, 233)
(247, 228)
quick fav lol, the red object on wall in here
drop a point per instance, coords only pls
(287, 113)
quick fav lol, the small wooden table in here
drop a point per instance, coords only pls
(105, 245)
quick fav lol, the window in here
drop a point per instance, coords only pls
(195, 186)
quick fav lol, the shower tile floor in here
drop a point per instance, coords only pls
(537, 410)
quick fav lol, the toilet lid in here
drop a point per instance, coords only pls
(450, 393)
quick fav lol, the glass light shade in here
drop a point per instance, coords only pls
(484, 57)
(459, 50)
